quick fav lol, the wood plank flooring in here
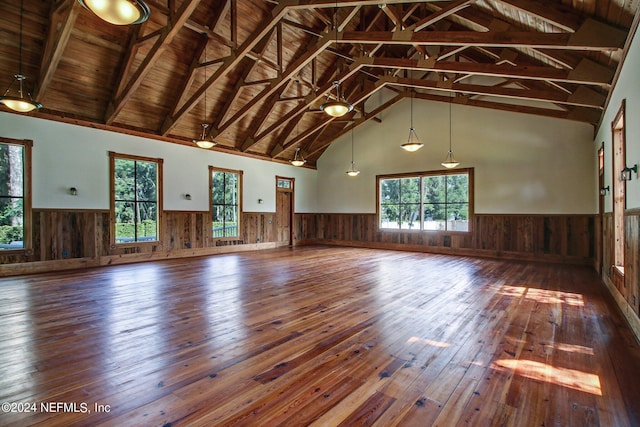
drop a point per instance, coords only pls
(317, 336)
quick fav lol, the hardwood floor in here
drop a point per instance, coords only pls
(317, 336)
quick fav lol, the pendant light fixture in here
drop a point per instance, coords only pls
(339, 107)
(205, 142)
(450, 161)
(297, 161)
(119, 12)
(353, 171)
(413, 142)
(19, 103)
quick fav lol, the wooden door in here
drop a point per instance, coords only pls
(600, 232)
(284, 211)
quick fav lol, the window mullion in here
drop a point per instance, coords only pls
(421, 189)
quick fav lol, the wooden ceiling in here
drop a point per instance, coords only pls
(256, 71)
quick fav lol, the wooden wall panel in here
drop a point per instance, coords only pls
(184, 230)
(558, 238)
(632, 259)
(628, 285)
(84, 236)
(258, 227)
(625, 289)
(62, 234)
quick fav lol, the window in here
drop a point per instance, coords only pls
(15, 194)
(136, 198)
(286, 183)
(430, 201)
(619, 187)
(226, 196)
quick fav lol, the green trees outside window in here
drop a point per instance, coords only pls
(135, 199)
(11, 196)
(225, 202)
(436, 201)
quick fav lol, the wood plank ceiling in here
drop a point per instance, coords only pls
(256, 71)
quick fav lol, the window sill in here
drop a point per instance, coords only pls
(408, 230)
(134, 244)
(618, 269)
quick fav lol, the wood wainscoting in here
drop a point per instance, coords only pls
(68, 239)
(549, 238)
(625, 288)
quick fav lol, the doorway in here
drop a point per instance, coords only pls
(603, 192)
(284, 210)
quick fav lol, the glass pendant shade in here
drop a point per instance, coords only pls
(19, 103)
(297, 161)
(413, 143)
(449, 161)
(119, 12)
(337, 108)
(353, 171)
(204, 142)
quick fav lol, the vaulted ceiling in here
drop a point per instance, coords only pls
(256, 71)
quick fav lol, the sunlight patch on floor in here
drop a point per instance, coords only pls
(543, 296)
(572, 348)
(429, 342)
(564, 377)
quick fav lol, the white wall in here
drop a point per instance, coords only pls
(523, 163)
(74, 156)
(627, 87)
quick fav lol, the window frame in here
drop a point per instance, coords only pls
(27, 214)
(421, 175)
(238, 172)
(112, 208)
(619, 187)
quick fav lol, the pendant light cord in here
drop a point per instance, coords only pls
(204, 115)
(450, 124)
(352, 147)
(335, 28)
(20, 44)
(411, 99)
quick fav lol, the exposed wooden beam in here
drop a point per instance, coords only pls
(584, 96)
(519, 39)
(372, 115)
(393, 14)
(63, 18)
(587, 115)
(311, 99)
(240, 83)
(587, 73)
(191, 73)
(360, 97)
(324, 4)
(264, 112)
(165, 39)
(556, 14)
(289, 73)
(451, 9)
(265, 28)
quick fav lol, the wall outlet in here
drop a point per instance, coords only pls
(257, 239)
